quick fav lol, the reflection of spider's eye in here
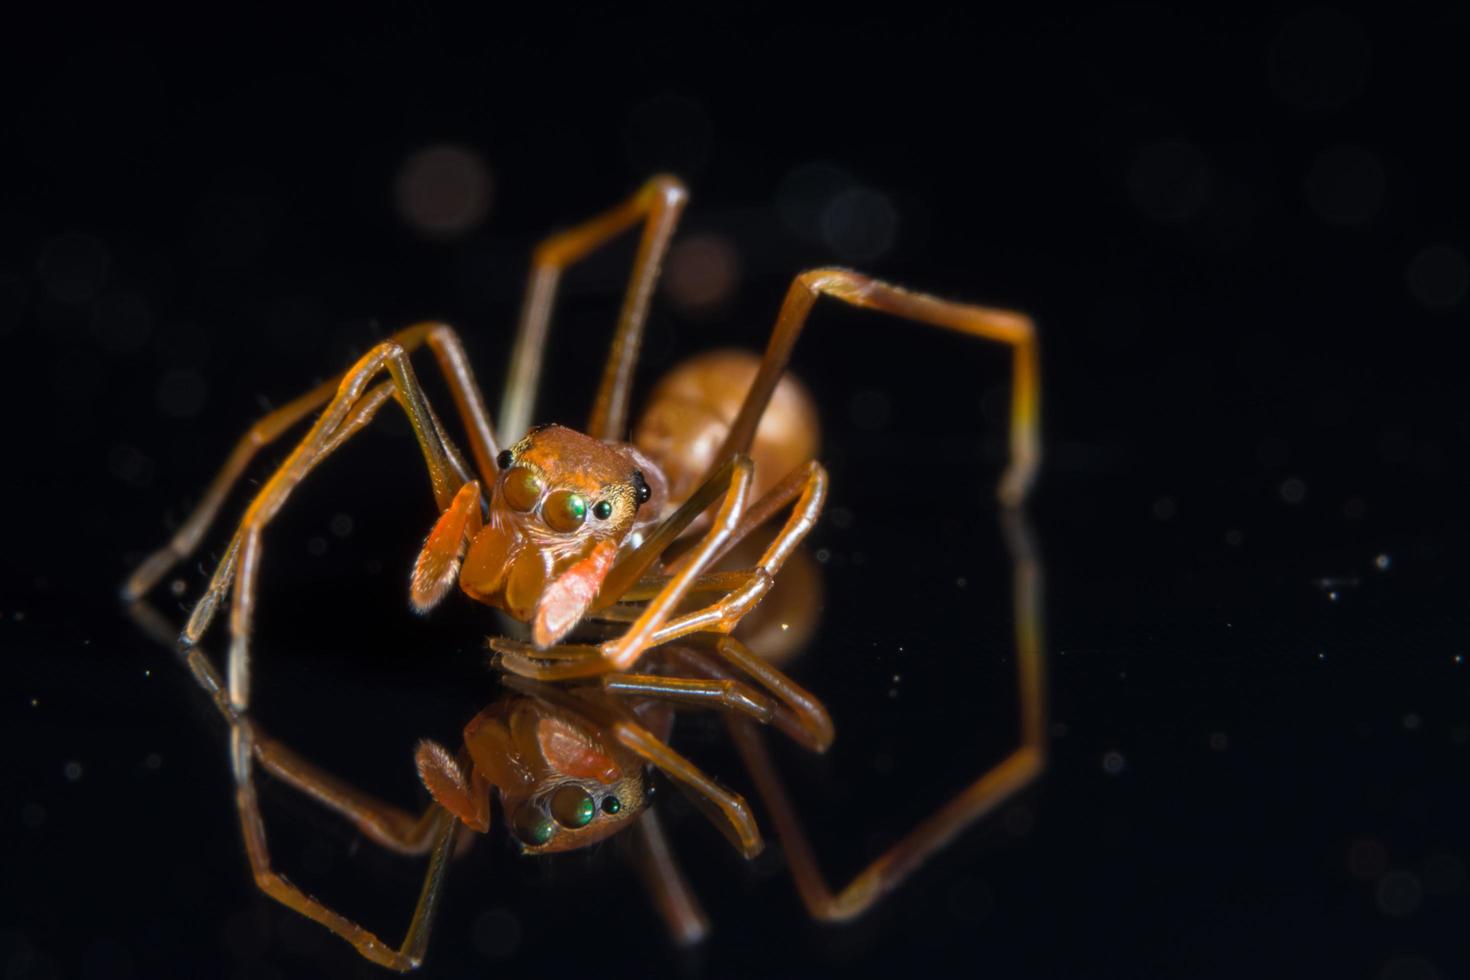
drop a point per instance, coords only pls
(522, 488)
(572, 807)
(602, 510)
(611, 805)
(564, 511)
(531, 827)
(504, 460)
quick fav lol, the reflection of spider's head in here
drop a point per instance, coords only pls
(561, 488)
(562, 782)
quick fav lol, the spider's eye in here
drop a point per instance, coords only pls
(611, 805)
(572, 807)
(564, 511)
(531, 827)
(505, 459)
(641, 492)
(522, 487)
(602, 510)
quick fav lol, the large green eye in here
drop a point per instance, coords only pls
(564, 511)
(521, 488)
(572, 807)
(531, 827)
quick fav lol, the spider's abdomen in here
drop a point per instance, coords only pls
(691, 410)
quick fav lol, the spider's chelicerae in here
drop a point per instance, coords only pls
(564, 529)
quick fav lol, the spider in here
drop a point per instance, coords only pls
(569, 763)
(560, 528)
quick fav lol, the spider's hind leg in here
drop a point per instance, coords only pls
(1013, 329)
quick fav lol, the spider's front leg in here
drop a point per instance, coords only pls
(732, 481)
(738, 591)
(349, 410)
(450, 356)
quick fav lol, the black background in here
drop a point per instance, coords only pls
(1242, 235)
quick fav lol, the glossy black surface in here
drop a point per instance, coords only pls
(1243, 238)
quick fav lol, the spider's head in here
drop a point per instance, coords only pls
(563, 784)
(562, 488)
(562, 508)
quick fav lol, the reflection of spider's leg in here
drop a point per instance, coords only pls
(996, 785)
(859, 290)
(798, 714)
(721, 692)
(448, 352)
(382, 822)
(726, 810)
(408, 955)
(732, 481)
(671, 894)
(657, 204)
(241, 561)
(386, 824)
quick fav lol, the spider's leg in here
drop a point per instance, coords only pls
(994, 787)
(740, 591)
(732, 482)
(810, 482)
(672, 896)
(658, 205)
(450, 355)
(410, 953)
(241, 561)
(859, 290)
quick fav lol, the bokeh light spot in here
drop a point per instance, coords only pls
(443, 191)
(1345, 185)
(1399, 893)
(859, 224)
(804, 195)
(1439, 277)
(1367, 859)
(702, 273)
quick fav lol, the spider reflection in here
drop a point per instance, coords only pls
(567, 764)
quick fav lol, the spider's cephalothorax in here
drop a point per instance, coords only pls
(562, 507)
